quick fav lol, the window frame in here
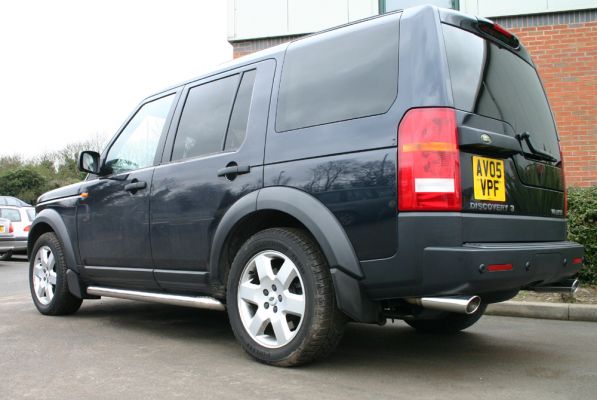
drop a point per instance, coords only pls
(160, 146)
(173, 130)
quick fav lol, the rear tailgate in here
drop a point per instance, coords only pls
(510, 154)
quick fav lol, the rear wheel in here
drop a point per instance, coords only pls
(5, 256)
(448, 322)
(47, 278)
(281, 300)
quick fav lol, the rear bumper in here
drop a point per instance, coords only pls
(13, 244)
(434, 261)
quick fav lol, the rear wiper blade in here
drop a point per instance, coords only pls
(535, 152)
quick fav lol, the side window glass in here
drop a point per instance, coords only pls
(237, 129)
(346, 73)
(137, 144)
(205, 118)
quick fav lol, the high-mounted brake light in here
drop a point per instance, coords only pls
(429, 161)
(497, 27)
(498, 32)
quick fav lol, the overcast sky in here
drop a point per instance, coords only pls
(70, 69)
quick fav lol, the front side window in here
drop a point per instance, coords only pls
(137, 144)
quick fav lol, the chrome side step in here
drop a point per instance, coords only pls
(204, 302)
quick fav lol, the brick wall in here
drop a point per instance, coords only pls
(564, 47)
(244, 47)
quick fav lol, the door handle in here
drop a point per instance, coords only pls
(232, 169)
(134, 186)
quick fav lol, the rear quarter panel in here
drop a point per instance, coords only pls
(350, 166)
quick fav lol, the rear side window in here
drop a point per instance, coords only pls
(492, 81)
(10, 214)
(204, 118)
(215, 116)
(342, 74)
(237, 129)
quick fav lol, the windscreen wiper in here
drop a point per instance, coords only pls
(541, 155)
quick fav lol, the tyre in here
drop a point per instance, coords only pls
(47, 278)
(281, 301)
(6, 256)
(447, 323)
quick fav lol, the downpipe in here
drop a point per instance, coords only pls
(568, 286)
(455, 304)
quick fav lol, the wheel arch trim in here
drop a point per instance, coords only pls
(52, 219)
(325, 228)
(319, 220)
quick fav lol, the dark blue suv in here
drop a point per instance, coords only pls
(405, 166)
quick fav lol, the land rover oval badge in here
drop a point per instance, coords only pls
(485, 138)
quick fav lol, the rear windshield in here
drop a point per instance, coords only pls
(10, 214)
(492, 81)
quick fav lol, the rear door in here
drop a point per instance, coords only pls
(510, 160)
(213, 157)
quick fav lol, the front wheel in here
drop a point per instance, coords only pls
(281, 301)
(47, 278)
(448, 322)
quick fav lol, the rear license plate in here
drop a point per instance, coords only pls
(489, 179)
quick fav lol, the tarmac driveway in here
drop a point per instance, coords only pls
(118, 349)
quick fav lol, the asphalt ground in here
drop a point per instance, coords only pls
(118, 349)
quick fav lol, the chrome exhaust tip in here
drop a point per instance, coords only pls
(456, 304)
(568, 286)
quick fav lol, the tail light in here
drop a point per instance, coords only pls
(27, 228)
(10, 228)
(429, 161)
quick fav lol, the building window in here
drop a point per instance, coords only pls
(393, 5)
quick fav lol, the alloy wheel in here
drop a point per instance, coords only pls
(44, 275)
(271, 299)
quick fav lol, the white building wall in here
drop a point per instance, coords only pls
(249, 19)
(494, 8)
(252, 19)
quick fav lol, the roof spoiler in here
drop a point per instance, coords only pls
(487, 29)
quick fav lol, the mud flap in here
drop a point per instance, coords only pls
(352, 300)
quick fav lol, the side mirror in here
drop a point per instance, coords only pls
(89, 162)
